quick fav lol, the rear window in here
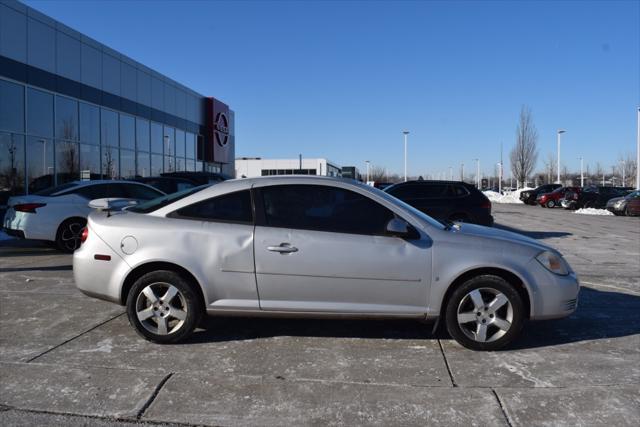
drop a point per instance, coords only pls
(53, 191)
(160, 202)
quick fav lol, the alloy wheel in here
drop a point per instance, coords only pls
(70, 236)
(485, 315)
(161, 308)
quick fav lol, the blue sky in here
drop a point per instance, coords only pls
(343, 79)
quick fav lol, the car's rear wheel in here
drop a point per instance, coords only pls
(485, 313)
(163, 307)
(551, 204)
(68, 234)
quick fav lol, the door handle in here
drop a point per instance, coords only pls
(283, 248)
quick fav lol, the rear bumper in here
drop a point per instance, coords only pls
(15, 233)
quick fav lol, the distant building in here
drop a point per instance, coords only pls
(351, 172)
(250, 167)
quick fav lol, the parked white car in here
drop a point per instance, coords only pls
(59, 214)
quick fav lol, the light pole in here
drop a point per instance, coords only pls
(624, 181)
(367, 162)
(581, 172)
(560, 132)
(477, 172)
(638, 154)
(405, 133)
(500, 178)
(450, 173)
(462, 172)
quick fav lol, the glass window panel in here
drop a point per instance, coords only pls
(39, 164)
(89, 124)
(180, 164)
(181, 103)
(169, 98)
(127, 132)
(169, 164)
(190, 150)
(199, 166)
(180, 143)
(169, 141)
(109, 128)
(128, 81)
(110, 74)
(156, 138)
(91, 66)
(144, 87)
(11, 165)
(191, 165)
(11, 106)
(142, 135)
(200, 148)
(66, 118)
(39, 113)
(110, 166)
(156, 164)
(89, 161)
(68, 56)
(127, 163)
(67, 162)
(41, 41)
(143, 165)
(13, 34)
(157, 94)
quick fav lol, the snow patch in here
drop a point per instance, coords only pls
(508, 196)
(593, 211)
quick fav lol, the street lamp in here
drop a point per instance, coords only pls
(405, 133)
(638, 153)
(560, 132)
(500, 177)
(462, 172)
(367, 162)
(477, 173)
(450, 173)
(624, 181)
(581, 172)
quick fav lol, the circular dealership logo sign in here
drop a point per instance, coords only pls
(221, 127)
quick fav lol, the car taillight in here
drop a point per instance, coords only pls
(486, 205)
(84, 234)
(28, 207)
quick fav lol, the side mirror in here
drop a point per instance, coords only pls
(398, 227)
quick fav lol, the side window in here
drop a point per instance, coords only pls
(316, 207)
(101, 191)
(234, 207)
(404, 192)
(141, 192)
(454, 190)
(431, 191)
(184, 185)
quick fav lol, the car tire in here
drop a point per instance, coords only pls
(551, 204)
(68, 234)
(163, 307)
(588, 205)
(473, 323)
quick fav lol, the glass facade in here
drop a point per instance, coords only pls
(74, 109)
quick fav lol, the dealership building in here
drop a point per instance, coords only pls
(72, 108)
(250, 167)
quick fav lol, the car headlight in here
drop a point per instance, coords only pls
(618, 204)
(554, 263)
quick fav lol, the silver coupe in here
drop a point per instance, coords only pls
(317, 247)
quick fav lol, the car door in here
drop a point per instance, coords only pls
(324, 248)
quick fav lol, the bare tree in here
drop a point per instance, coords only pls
(629, 165)
(525, 153)
(378, 173)
(549, 167)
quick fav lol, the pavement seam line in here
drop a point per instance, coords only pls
(502, 408)
(73, 338)
(446, 363)
(153, 396)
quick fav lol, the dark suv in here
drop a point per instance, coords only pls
(445, 200)
(592, 197)
(529, 197)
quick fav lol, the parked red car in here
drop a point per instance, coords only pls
(551, 200)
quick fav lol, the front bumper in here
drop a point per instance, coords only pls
(554, 296)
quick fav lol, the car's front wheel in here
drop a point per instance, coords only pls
(485, 313)
(551, 204)
(163, 307)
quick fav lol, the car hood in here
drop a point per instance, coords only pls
(611, 202)
(499, 235)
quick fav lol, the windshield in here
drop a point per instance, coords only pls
(159, 202)
(51, 191)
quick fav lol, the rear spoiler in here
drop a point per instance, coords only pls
(112, 204)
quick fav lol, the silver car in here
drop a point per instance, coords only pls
(313, 246)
